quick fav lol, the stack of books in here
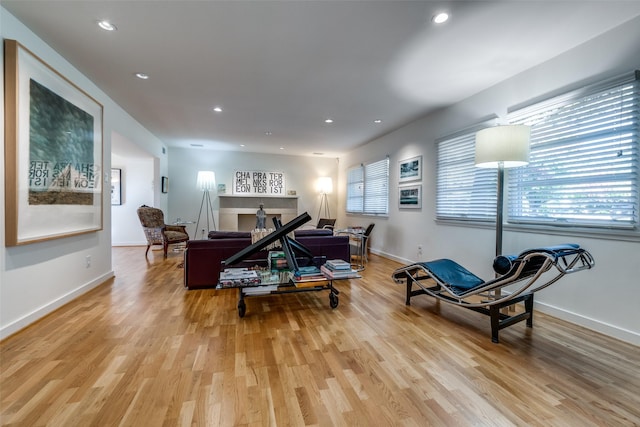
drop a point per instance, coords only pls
(277, 261)
(338, 269)
(239, 277)
(308, 274)
(259, 290)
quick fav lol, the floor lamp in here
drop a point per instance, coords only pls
(324, 186)
(502, 147)
(206, 182)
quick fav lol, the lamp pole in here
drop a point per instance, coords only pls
(324, 201)
(206, 180)
(208, 208)
(499, 206)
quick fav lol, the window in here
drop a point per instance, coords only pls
(583, 168)
(464, 191)
(368, 188)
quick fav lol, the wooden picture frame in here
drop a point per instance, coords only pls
(116, 187)
(410, 169)
(53, 152)
(410, 197)
(164, 187)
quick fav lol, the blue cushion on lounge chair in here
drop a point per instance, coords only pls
(458, 277)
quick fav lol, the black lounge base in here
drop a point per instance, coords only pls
(499, 319)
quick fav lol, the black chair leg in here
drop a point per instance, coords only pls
(494, 313)
(528, 307)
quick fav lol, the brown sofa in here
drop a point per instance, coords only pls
(203, 258)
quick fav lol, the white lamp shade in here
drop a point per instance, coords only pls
(506, 145)
(324, 185)
(206, 180)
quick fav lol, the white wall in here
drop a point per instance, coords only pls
(137, 190)
(300, 175)
(605, 299)
(35, 279)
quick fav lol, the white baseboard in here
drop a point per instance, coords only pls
(588, 323)
(39, 313)
(129, 243)
(391, 257)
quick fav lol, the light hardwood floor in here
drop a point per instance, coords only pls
(140, 350)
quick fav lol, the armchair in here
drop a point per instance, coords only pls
(326, 223)
(157, 232)
(323, 224)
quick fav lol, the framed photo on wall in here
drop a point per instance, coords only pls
(116, 186)
(410, 197)
(410, 169)
(53, 152)
(165, 184)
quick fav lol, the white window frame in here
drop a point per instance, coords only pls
(368, 188)
(584, 161)
(464, 192)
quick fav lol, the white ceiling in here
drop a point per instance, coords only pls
(283, 67)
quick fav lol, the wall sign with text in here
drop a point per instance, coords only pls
(258, 183)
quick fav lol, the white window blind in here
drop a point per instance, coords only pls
(355, 189)
(368, 188)
(464, 191)
(583, 168)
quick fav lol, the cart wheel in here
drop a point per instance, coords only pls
(242, 308)
(333, 300)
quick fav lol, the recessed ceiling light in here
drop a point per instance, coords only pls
(440, 18)
(241, 145)
(282, 148)
(106, 25)
(377, 121)
(328, 121)
(217, 109)
(142, 76)
(268, 133)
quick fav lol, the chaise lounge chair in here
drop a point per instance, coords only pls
(448, 281)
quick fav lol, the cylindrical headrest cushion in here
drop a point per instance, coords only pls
(503, 263)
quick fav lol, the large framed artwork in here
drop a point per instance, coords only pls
(410, 169)
(53, 152)
(258, 183)
(410, 197)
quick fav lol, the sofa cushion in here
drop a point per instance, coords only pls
(314, 232)
(229, 235)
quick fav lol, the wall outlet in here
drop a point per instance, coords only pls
(87, 261)
(419, 250)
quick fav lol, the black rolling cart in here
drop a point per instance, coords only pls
(254, 283)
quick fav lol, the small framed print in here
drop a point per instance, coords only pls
(410, 197)
(116, 186)
(410, 169)
(165, 184)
